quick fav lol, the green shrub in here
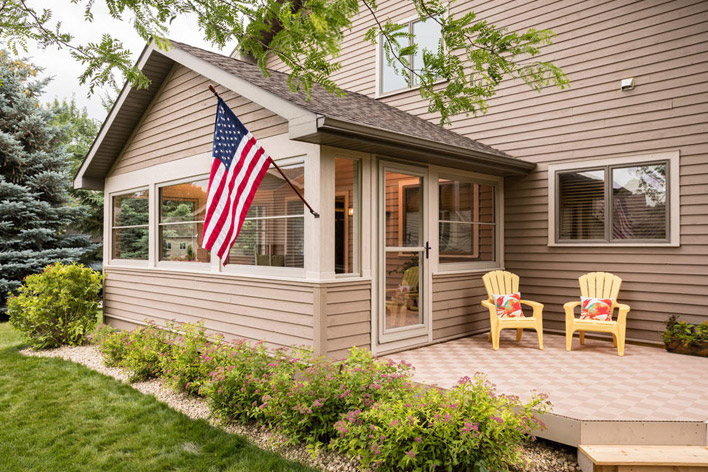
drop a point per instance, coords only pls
(193, 356)
(304, 406)
(685, 333)
(112, 343)
(145, 349)
(465, 428)
(236, 388)
(57, 306)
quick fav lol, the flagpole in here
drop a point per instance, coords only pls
(314, 213)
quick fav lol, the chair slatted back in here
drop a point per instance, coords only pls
(500, 282)
(600, 285)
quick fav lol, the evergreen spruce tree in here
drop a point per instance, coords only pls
(35, 209)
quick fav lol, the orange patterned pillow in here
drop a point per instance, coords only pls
(508, 306)
(599, 309)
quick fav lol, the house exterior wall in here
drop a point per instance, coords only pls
(664, 46)
(180, 122)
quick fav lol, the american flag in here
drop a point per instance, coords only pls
(239, 165)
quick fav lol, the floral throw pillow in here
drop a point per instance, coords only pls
(598, 309)
(508, 306)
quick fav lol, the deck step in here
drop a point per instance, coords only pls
(608, 458)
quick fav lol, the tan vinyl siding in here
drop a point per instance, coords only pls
(456, 305)
(281, 313)
(180, 122)
(664, 46)
(348, 315)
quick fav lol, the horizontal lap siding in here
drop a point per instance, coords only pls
(663, 44)
(348, 317)
(180, 122)
(456, 305)
(279, 313)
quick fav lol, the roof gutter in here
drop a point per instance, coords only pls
(419, 149)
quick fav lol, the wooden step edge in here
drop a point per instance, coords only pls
(691, 456)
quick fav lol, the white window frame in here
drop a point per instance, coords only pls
(381, 57)
(356, 204)
(673, 196)
(155, 226)
(127, 262)
(270, 271)
(472, 178)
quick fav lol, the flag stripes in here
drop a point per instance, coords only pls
(238, 168)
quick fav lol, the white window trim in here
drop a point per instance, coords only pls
(380, 57)
(109, 223)
(674, 205)
(357, 221)
(473, 266)
(155, 226)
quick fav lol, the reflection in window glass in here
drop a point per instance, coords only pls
(129, 229)
(639, 202)
(402, 210)
(427, 37)
(182, 212)
(346, 216)
(466, 221)
(273, 231)
(581, 205)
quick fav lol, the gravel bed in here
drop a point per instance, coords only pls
(540, 455)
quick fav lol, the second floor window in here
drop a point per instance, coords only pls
(395, 77)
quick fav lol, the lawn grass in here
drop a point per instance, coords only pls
(60, 416)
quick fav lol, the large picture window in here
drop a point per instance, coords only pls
(182, 213)
(467, 221)
(613, 203)
(273, 231)
(395, 77)
(130, 226)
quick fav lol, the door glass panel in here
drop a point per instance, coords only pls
(403, 205)
(403, 301)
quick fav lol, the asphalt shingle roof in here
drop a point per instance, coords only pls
(352, 107)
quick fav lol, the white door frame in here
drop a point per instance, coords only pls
(401, 338)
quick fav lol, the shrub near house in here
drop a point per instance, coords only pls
(57, 306)
(361, 406)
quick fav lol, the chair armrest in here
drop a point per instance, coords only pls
(537, 307)
(570, 311)
(571, 305)
(623, 310)
(488, 304)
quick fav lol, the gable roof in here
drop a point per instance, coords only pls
(353, 121)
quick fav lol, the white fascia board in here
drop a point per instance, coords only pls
(79, 179)
(267, 100)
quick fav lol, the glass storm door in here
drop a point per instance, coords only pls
(404, 250)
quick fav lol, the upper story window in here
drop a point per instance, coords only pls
(394, 77)
(625, 201)
(130, 226)
(467, 221)
(182, 212)
(273, 233)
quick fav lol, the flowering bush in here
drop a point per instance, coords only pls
(305, 406)
(57, 306)
(145, 349)
(465, 428)
(361, 405)
(112, 343)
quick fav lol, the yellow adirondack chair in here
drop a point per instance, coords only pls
(504, 283)
(597, 285)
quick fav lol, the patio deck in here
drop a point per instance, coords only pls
(648, 397)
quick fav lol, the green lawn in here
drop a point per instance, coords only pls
(59, 416)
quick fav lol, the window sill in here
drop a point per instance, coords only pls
(401, 91)
(466, 271)
(588, 244)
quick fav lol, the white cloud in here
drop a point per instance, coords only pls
(65, 71)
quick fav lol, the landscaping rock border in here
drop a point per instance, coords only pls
(541, 455)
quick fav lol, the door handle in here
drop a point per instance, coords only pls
(427, 249)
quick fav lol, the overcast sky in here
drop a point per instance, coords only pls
(65, 70)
